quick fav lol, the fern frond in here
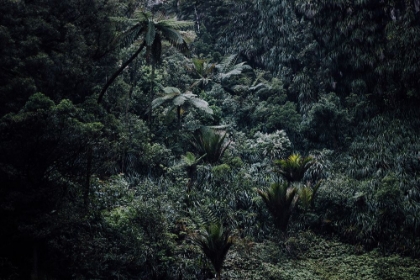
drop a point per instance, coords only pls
(201, 104)
(129, 36)
(123, 20)
(175, 24)
(142, 15)
(161, 100)
(150, 34)
(171, 35)
(171, 90)
(227, 62)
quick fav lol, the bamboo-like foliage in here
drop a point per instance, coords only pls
(280, 200)
(294, 167)
(215, 242)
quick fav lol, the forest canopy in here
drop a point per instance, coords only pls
(216, 139)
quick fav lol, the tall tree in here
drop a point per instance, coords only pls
(146, 31)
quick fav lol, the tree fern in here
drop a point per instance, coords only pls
(178, 99)
(151, 32)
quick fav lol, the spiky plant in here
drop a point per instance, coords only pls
(215, 242)
(280, 200)
(307, 195)
(211, 142)
(294, 167)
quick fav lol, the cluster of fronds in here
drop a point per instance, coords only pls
(215, 242)
(280, 200)
(294, 167)
(211, 142)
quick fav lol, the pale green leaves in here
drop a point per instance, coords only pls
(178, 99)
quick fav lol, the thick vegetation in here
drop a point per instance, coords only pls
(209, 139)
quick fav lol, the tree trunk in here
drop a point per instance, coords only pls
(87, 178)
(178, 113)
(34, 274)
(151, 93)
(118, 72)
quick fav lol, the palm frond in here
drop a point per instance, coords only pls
(305, 197)
(294, 167)
(190, 159)
(227, 62)
(172, 35)
(150, 34)
(123, 20)
(201, 104)
(179, 100)
(211, 142)
(198, 65)
(175, 24)
(141, 15)
(280, 200)
(129, 36)
(171, 90)
(235, 70)
(215, 243)
(161, 100)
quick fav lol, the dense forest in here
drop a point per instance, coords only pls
(210, 139)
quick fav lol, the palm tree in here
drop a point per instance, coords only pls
(178, 99)
(215, 243)
(280, 200)
(211, 142)
(294, 167)
(149, 32)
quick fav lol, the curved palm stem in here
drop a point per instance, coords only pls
(118, 72)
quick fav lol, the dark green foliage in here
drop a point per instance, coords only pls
(92, 191)
(54, 47)
(294, 167)
(280, 200)
(151, 32)
(215, 242)
(212, 143)
(327, 123)
(179, 100)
